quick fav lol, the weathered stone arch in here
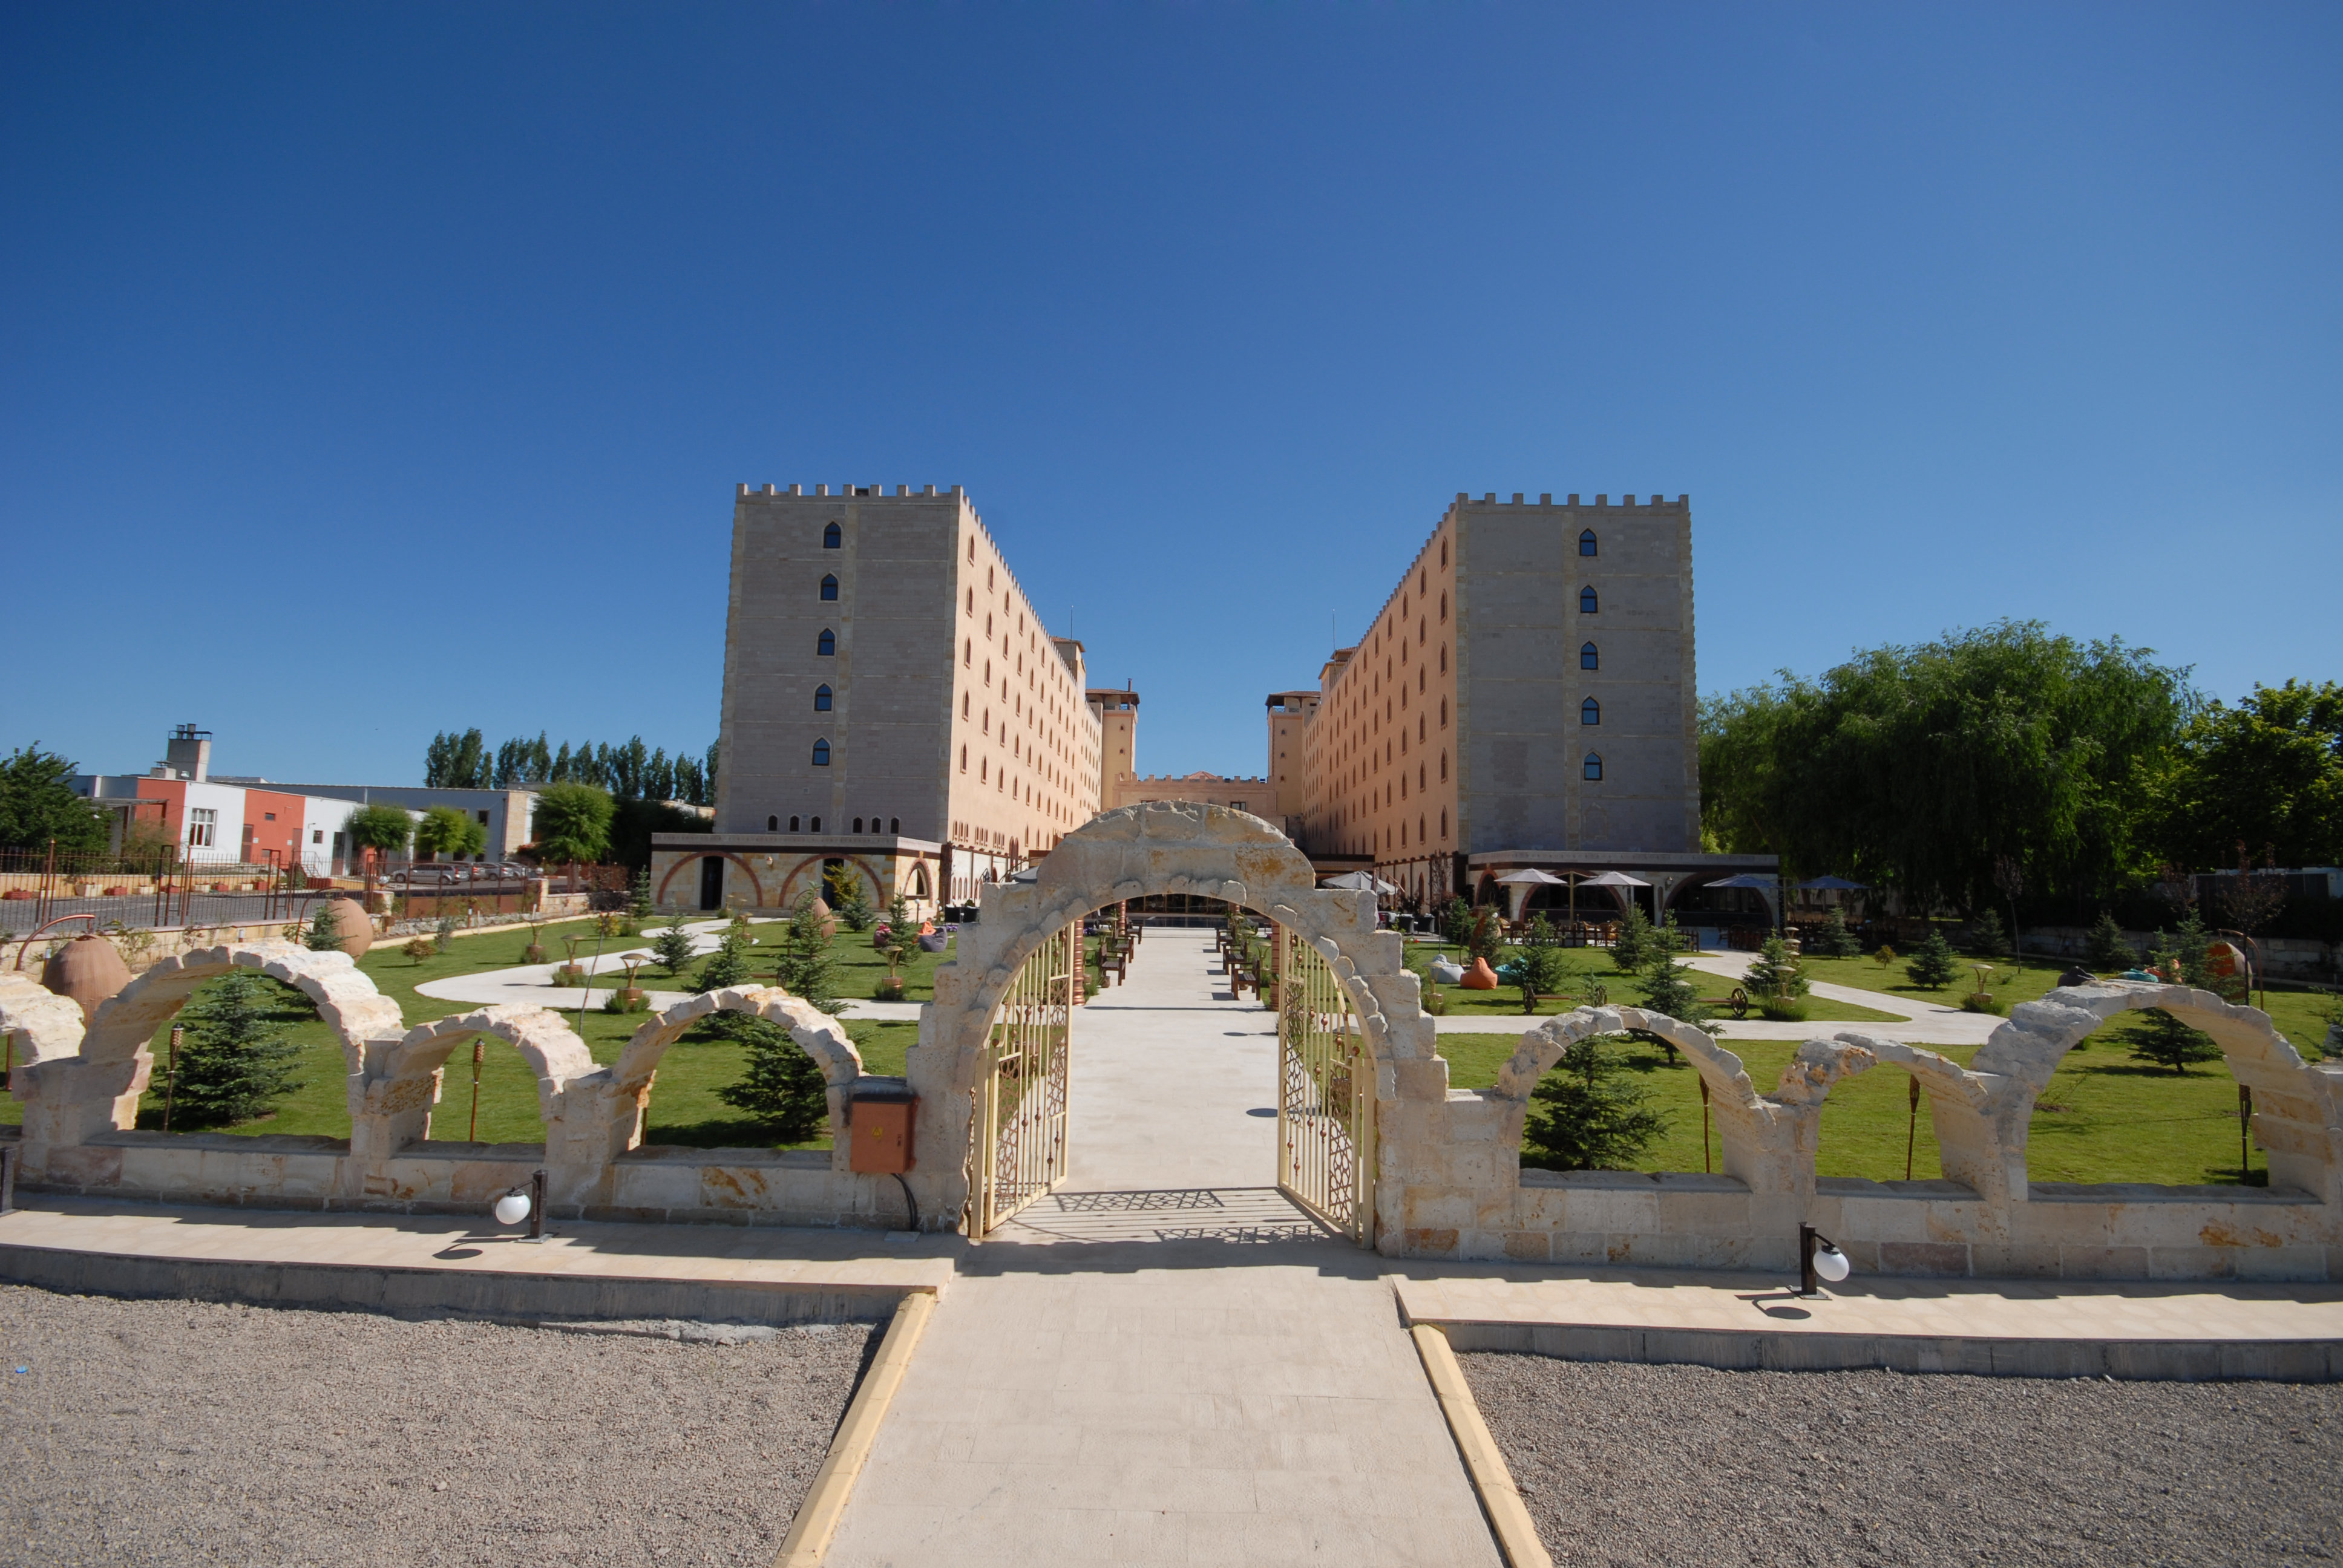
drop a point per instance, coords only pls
(1766, 1142)
(402, 1083)
(2297, 1107)
(39, 1024)
(69, 1099)
(1162, 847)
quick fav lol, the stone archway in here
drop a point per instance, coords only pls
(756, 884)
(72, 1098)
(1169, 846)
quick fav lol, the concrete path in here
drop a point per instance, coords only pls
(1166, 1362)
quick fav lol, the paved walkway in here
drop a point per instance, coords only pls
(1166, 1362)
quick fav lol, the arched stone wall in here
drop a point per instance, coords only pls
(1173, 846)
(756, 883)
(39, 1024)
(69, 1099)
(401, 1086)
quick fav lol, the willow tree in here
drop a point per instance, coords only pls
(1924, 768)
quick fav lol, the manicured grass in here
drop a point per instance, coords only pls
(1585, 964)
(2104, 1117)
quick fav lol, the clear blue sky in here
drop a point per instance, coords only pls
(373, 371)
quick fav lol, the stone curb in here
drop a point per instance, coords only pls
(825, 1501)
(1500, 1500)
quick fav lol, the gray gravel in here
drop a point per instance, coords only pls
(1651, 1464)
(193, 1432)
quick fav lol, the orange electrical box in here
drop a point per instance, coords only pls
(881, 1133)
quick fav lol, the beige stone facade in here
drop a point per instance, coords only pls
(890, 696)
(1529, 684)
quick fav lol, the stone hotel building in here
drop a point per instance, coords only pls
(1524, 697)
(892, 706)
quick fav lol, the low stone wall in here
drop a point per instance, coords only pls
(2288, 958)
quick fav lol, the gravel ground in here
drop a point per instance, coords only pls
(163, 1432)
(1669, 1464)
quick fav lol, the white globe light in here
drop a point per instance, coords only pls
(513, 1208)
(1831, 1264)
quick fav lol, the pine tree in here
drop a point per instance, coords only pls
(1987, 936)
(1456, 922)
(673, 947)
(1776, 982)
(1667, 988)
(1633, 948)
(639, 895)
(1933, 962)
(1835, 940)
(1538, 967)
(729, 965)
(322, 937)
(806, 970)
(235, 1062)
(850, 903)
(781, 1086)
(2105, 949)
(1588, 1113)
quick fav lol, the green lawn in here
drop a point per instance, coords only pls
(683, 1106)
(1584, 964)
(2104, 1118)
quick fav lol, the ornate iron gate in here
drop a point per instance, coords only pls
(1326, 1097)
(1017, 1132)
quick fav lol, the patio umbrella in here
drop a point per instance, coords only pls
(1360, 883)
(1607, 879)
(1748, 880)
(1522, 881)
(1835, 884)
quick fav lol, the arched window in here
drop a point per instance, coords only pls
(793, 824)
(814, 826)
(972, 549)
(826, 644)
(1590, 712)
(833, 536)
(894, 824)
(858, 824)
(1587, 603)
(821, 753)
(1444, 659)
(1592, 770)
(968, 651)
(822, 699)
(1444, 765)
(828, 587)
(1443, 604)
(772, 824)
(918, 881)
(1444, 713)
(963, 758)
(1443, 823)
(1588, 659)
(1586, 541)
(1444, 554)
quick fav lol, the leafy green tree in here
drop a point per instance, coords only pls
(1933, 963)
(1924, 768)
(445, 830)
(1832, 939)
(572, 824)
(806, 969)
(780, 1085)
(1456, 922)
(37, 804)
(2105, 949)
(1588, 1113)
(673, 947)
(2267, 771)
(381, 828)
(236, 1062)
